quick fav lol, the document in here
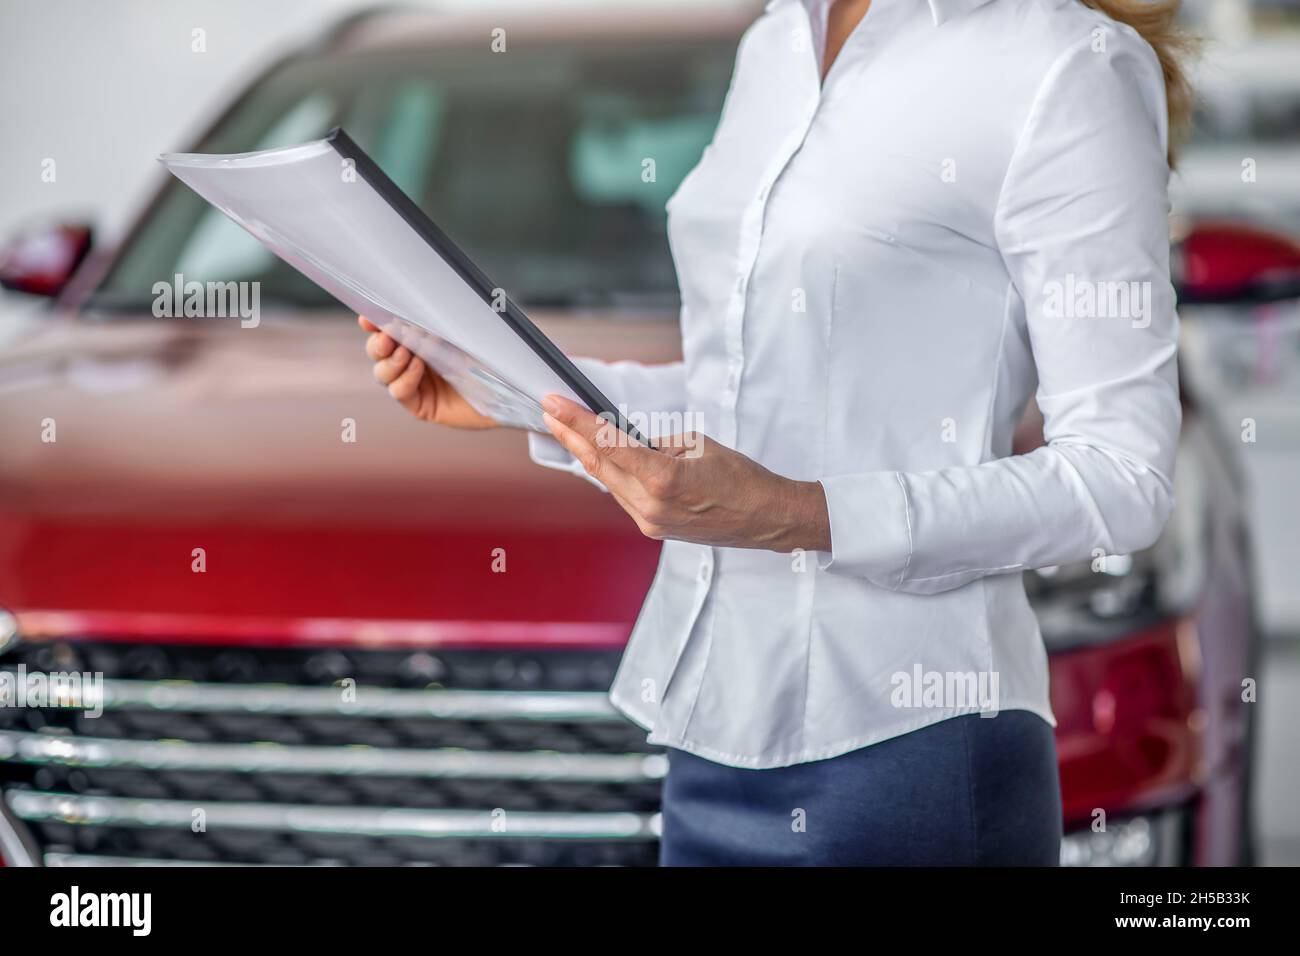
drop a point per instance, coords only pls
(329, 211)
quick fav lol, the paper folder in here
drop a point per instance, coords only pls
(329, 211)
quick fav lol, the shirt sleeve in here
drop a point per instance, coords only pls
(656, 391)
(1084, 206)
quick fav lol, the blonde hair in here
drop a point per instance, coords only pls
(1157, 23)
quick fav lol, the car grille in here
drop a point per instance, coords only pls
(209, 755)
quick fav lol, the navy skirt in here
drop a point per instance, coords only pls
(967, 791)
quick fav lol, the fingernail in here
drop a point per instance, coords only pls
(551, 404)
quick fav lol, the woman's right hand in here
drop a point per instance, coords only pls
(420, 390)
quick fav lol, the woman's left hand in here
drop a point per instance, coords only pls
(692, 488)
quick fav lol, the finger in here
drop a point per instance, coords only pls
(389, 369)
(380, 346)
(589, 456)
(602, 435)
(407, 385)
(367, 324)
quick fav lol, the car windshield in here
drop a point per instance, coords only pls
(550, 167)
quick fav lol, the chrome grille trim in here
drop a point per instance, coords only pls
(38, 748)
(91, 859)
(291, 770)
(184, 696)
(380, 821)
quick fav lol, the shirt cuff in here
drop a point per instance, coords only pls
(549, 453)
(871, 527)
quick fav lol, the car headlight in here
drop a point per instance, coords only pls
(8, 630)
(1151, 840)
(1086, 603)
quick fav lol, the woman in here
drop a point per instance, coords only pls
(911, 215)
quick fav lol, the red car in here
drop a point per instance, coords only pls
(330, 634)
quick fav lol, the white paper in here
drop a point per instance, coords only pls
(308, 207)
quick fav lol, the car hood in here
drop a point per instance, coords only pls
(200, 468)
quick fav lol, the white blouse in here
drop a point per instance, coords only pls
(876, 272)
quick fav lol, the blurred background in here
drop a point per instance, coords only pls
(1176, 673)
